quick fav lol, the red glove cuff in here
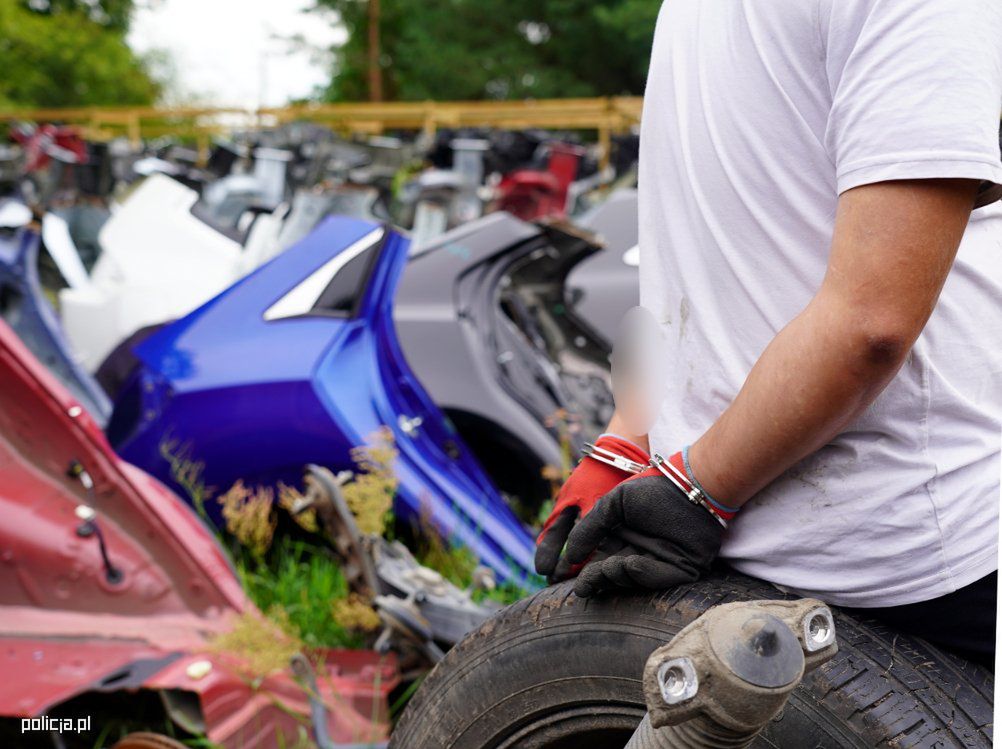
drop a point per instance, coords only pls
(678, 462)
(593, 478)
(620, 446)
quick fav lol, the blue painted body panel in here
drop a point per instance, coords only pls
(257, 400)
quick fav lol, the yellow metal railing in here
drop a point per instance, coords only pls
(606, 116)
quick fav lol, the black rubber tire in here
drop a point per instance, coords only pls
(557, 671)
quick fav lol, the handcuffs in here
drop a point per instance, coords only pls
(612, 459)
(692, 492)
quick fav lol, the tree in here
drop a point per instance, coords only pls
(115, 14)
(59, 54)
(496, 49)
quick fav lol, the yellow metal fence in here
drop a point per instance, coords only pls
(606, 116)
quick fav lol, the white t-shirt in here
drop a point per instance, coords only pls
(758, 113)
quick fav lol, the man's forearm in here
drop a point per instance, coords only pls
(893, 248)
(814, 378)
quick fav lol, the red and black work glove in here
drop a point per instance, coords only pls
(589, 481)
(654, 534)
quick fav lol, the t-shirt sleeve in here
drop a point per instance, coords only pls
(916, 90)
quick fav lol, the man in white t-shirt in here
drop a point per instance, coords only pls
(832, 313)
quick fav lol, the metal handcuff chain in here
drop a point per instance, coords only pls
(692, 492)
(612, 459)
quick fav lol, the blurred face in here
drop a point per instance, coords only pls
(638, 370)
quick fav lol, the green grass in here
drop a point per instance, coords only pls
(303, 580)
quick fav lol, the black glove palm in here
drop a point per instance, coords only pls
(657, 538)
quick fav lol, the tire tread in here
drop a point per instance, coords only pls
(889, 689)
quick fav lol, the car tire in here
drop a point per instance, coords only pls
(556, 671)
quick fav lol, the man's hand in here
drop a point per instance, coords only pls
(590, 480)
(655, 537)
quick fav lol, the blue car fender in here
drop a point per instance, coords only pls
(298, 363)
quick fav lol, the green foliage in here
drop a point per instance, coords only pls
(296, 583)
(114, 14)
(301, 580)
(497, 49)
(67, 54)
(299, 584)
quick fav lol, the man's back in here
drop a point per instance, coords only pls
(757, 115)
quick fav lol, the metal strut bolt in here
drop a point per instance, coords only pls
(727, 674)
(678, 680)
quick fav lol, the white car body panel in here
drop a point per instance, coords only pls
(158, 262)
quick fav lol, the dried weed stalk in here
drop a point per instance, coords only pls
(250, 516)
(261, 645)
(186, 472)
(288, 497)
(355, 613)
(370, 495)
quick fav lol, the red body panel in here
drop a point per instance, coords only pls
(39, 142)
(531, 194)
(64, 627)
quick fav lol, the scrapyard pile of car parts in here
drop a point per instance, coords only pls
(114, 592)
(158, 262)
(555, 671)
(185, 232)
(318, 343)
(440, 199)
(165, 251)
(541, 373)
(538, 193)
(309, 341)
(24, 307)
(531, 358)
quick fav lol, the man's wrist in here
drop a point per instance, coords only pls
(674, 469)
(713, 475)
(727, 511)
(615, 436)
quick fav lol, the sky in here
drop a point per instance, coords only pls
(224, 52)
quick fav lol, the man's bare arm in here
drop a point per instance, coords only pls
(893, 246)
